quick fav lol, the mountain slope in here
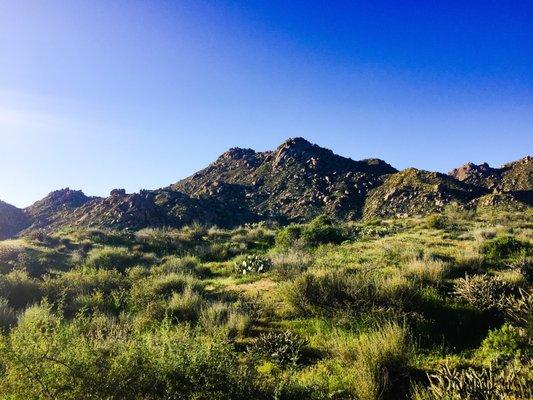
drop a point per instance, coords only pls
(12, 220)
(418, 192)
(511, 177)
(297, 181)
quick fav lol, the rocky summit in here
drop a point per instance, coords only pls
(293, 183)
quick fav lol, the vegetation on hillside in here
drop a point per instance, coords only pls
(439, 307)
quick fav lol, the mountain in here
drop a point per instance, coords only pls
(511, 177)
(293, 183)
(12, 220)
(418, 192)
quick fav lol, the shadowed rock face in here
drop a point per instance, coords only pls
(295, 182)
(12, 220)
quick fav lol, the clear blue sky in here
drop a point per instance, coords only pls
(138, 94)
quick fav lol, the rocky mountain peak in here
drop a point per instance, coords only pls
(237, 153)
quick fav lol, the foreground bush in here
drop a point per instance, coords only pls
(512, 380)
(378, 362)
(45, 357)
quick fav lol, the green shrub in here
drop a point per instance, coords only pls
(288, 236)
(329, 292)
(436, 221)
(226, 317)
(8, 316)
(506, 341)
(504, 248)
(45, 357)
(20, 289)
(185, 306)
(320, 231)
(381, 363)
(119, 258)
(283, 348)
(289, 265)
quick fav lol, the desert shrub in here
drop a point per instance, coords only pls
(19, 289)
(119, 258)
(185, 306)
(380, 363)
(426, 270)
(329, 292)
(152, 289)
(485, 292)
(436, 221)
(284, 348)
(87, 287)
(101, 358)
(512, 380)
(504, 248)
(186, 264)
(519, 309)
(219, 315)
(320, 231)
(253, 264)
(8, 316)
(288, 266)
(288, 236)
(506, 341)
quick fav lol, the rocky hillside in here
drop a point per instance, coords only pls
(12, 220)
(418, 192)
(295, 182)
(511, 177)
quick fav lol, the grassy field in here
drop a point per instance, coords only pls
(422, 308)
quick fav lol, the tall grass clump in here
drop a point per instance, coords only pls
(378, 361)
(119, 258)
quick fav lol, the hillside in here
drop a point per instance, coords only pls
(511, 177)
(12, 220)
(293, 183)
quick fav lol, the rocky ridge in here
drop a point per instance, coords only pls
(295, 182)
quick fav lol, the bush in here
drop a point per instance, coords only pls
(226, 317)
(485, 292)
(320, 231)
(506, 341)
(8, 317)
(512, 380)
(284, 348)
(101, 358)
(185, 306)
(380, 362)
(19, 289)
(504, 248)
(253, 265)
(427, 271)
(288, 236)
(328, 292)
(119, 258)
(288, 266)
(436, 221)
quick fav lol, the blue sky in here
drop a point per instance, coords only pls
(138, 94)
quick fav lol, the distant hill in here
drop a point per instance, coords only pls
(295, 182)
